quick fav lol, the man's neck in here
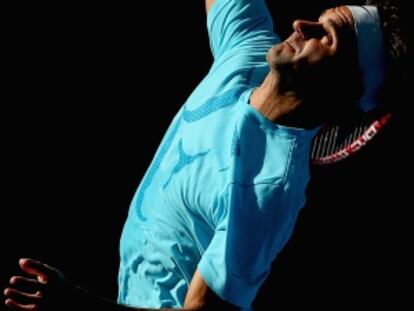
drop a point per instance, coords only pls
(269, 101)
(283, 108)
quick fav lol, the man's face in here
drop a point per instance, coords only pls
(314, 48)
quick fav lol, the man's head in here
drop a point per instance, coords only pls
(313, 41)
(318, 63)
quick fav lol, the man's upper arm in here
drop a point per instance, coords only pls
(209, 4)
(239, 24)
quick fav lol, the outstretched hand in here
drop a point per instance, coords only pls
(46, 288)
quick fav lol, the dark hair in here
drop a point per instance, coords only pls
(393, 20)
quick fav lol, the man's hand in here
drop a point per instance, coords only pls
(46, 288)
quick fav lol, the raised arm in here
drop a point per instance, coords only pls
(209, 4)
(235, 25)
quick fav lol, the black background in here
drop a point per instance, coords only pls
(88, 94)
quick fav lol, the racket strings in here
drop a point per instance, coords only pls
(335, 139)
(336, 143)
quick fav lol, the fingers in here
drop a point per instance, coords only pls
(16, 306)
(36, 268)
(26, 285)
(18, 300)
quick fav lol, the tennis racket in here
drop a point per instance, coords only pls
(336, 143)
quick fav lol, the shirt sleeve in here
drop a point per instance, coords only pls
(239, 24)
(256, 213)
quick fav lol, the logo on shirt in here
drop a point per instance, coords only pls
(189, 116)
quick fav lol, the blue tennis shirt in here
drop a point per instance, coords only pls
(224, 189)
